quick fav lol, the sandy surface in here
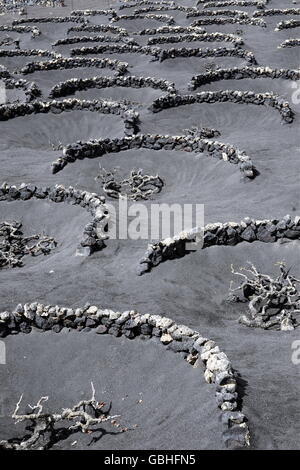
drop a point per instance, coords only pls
(189, 290)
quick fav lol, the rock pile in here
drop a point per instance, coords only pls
(229, 234)
(198, 351)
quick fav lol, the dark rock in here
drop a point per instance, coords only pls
(179, 346)
(114, 330)
(156, 332)
(57, 328)
(129, 334)
(90, 323)
(25, 328)
(146, 329)
(264, 235)
(248, 234)
(292, 234)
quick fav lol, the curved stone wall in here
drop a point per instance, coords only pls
(78, 39)
(205, 37)
(170, 30)
(228, 20)
(74, 84)
(198, 351)
(238, 3)
(235, 13)
(234, 96)
(115, 48)
(238, 73)
(133, 4)
(49, 19)
(130, 117)
(16, 29)
(165, 54)
(277, 11)
(163, 18)
(228, 234)
(95, 204)
(27, 53)
(163, 8)
(96, 28)
(289, 43)
(97, 148)
(76, 62)
(109, 12)
(287, 24)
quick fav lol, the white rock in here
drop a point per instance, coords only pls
(218, 362)
(166, 338)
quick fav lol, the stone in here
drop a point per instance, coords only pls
(235, 417)
(218, 362)
(114, 330)
(146, 329)
(198, 344)
(92, 310)
(237, 436)
(228, 406)
(166, 338)
(208, 376)
(292, 234)
(25, 328)
(57, 328)
(248, 234)
(102, 329)
(207, 353)
(182, 330)
(90, 323)
(179, 346)
(225, 397)
(264, 235)
(129, 334)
